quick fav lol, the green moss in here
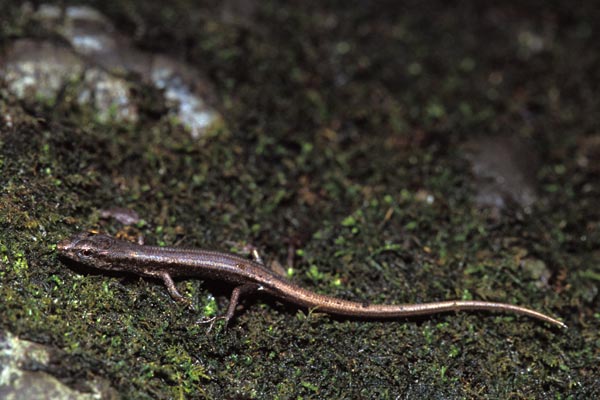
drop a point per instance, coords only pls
(342, 147)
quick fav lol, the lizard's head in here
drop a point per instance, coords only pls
(88, 249)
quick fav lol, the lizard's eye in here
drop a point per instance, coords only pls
(85, 252)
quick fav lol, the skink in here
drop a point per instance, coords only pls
(107, 253)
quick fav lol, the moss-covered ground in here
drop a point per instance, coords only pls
(342, 120)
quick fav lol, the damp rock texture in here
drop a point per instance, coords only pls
(22, 377)
(504, 168)
(43, 70)
(95, 64)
